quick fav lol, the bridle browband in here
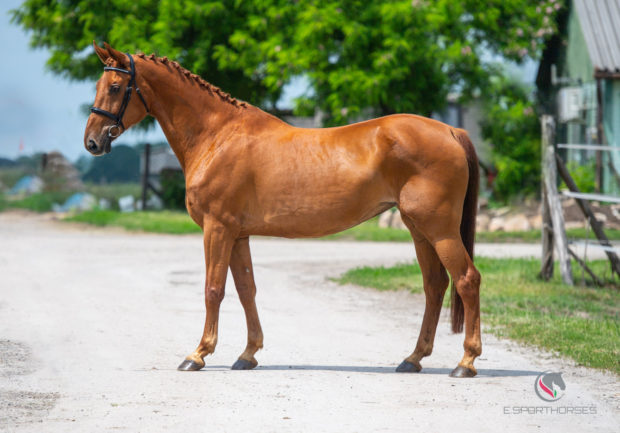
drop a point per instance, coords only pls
(118, 118)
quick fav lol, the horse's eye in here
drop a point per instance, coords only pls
(114, 89)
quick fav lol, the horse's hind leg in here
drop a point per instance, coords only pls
(466, 280)
(437, 216)
(435, 284)
(241, 268)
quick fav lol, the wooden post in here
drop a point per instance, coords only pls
(553, 199)
(546, 265)
(600, 132)
(145, 175)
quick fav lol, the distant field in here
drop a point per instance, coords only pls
(149, 221)
(179, 222)
(42, 202)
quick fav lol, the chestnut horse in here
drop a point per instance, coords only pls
(249, 173)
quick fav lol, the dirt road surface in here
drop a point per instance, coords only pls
(93, 323)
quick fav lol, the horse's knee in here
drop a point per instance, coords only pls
(214, 295)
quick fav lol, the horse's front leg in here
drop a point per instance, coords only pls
(218, 242)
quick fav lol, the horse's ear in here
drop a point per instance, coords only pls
(101, 53)
(119, 57)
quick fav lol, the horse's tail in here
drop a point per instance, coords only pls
(468, 221)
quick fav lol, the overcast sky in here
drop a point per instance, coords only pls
(42, 110)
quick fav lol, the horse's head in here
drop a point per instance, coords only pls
(115, 110)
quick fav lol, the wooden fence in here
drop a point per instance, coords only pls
(553, 229)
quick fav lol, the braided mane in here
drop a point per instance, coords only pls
(196, 78)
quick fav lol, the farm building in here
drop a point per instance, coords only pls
(579, 83)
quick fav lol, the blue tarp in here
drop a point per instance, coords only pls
(78, 201)
(27, 185)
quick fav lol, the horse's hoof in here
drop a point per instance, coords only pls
(189, 365)
(408, 367)
(461, 371)
(242, 364)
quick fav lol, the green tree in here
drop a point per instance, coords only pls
(122, 165)
(375, 57)
(511, 126)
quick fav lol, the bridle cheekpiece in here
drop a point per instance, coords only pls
(118, 118)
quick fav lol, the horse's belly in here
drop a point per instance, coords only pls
(319, 225)
(321, 210)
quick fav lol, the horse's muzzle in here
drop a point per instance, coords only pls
(99, 148)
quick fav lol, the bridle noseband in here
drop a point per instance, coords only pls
(118, 118)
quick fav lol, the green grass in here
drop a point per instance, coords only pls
(370, 231)
(39, 202)
(149, 221)
(534, 235)
(180, 222)
(582, 323)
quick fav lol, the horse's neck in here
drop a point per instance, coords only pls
(188, 114)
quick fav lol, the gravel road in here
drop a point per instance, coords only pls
(93, 323)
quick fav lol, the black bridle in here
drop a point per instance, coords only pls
(118, 118)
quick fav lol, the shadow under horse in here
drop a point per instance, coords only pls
(249, 173)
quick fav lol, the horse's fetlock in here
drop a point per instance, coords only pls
(474, 349)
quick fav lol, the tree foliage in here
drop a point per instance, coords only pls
(511, 125)
(122, 165)
(172, 188)
(376, 57)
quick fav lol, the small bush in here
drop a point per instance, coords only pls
(583, 175)
(10, 175)
(173, 188)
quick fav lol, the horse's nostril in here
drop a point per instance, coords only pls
(92, 145)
